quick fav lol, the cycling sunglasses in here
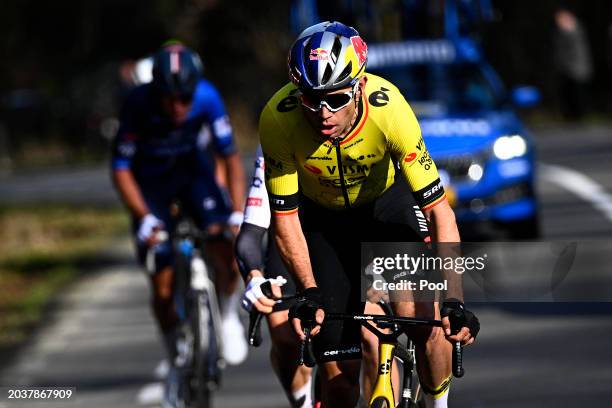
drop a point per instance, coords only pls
(186, 98)
(333, 102)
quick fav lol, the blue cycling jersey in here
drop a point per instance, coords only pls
(148, 142)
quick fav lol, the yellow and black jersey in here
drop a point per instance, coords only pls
(354, 170)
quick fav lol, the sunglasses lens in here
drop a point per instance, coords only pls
(334, 102)
(311, 101)
(186, 98)
(337, 101)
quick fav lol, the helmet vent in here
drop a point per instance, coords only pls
(336, 48)
(345, 72)
(327, 74)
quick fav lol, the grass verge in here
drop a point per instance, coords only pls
(42, 249)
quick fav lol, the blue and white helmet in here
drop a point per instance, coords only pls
(327, 56)
(176, 69)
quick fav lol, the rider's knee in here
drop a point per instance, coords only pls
(341, 385)
(422, 334)
(163, 288)
(436, 335)
(426, 335)
(346, 372)
(283, 337)
(216, 231)
(163, 291)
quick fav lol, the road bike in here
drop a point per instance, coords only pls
(390, 347)
(199, 344)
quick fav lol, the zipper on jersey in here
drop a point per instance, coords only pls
(347, 202)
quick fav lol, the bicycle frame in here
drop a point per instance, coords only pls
(387, 350)
(197, 309)
(383, 387)
(195, 279)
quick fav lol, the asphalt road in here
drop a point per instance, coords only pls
(102, 341)
(101, 338)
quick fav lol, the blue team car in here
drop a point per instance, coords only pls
(483, 151)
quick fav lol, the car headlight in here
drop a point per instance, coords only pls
(475, 172)
(509, 147)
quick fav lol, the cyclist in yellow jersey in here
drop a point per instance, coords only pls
(332, 141)
(346, 172)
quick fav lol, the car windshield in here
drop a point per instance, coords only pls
(439, 89)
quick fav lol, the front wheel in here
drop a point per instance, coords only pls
(205, 370)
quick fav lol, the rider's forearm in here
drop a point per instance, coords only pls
(248, 249)
(236, 181)
(443, 227)
(130, 192)
(442, 223)
(292, 246)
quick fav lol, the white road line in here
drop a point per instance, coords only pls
(150, 394)
(580, 185)
(161, 370)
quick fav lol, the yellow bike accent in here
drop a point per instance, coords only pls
(383, 387)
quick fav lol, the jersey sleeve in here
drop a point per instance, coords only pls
(408, 149)
(257, 209)
(209, 100)
(249, 251)
(124, 146)
(280, 170)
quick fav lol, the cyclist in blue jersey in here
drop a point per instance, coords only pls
(171, 131)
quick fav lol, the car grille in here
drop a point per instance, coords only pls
(457, 166)
(506, 195)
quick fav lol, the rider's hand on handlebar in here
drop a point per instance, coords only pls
(459, 324)
(150, 230)
(308, 312)
(254, 297)
(234, 222)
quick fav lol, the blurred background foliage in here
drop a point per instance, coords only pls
(63, 62)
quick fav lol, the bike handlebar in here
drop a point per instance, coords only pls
(458, 370)
(306, 355)
(255, 317)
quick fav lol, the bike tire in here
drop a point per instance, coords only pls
(380, 402)
(202, 352)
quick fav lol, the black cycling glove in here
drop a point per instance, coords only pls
(306, 306)
(460, 317)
